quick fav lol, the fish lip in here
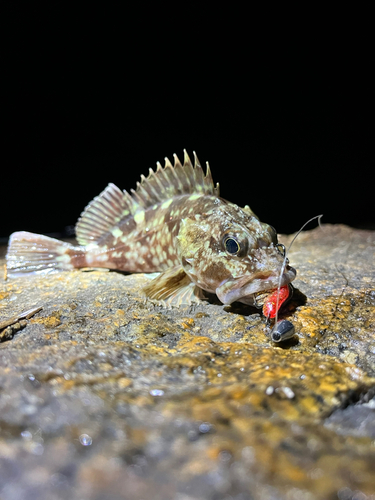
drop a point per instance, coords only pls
(235, 289)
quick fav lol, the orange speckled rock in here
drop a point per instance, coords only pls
(107, 395)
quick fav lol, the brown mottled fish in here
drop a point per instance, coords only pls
(174, 223)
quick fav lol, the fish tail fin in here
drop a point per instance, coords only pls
(29, 253)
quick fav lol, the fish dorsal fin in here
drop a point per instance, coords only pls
(103, 213)
(174, 180)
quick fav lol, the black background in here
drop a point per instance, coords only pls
(97, 96)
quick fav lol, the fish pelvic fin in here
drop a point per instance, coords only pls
(174, 288)
(30, 253)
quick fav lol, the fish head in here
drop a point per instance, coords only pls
(229, 252)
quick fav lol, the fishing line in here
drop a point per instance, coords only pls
(278, 334)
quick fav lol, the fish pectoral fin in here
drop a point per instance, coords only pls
(173, 287)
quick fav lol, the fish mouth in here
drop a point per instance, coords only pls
(243, 289)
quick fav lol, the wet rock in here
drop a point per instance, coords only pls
(107, 395)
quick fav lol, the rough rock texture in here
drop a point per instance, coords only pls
(106, 396)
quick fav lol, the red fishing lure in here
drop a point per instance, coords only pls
(270, 306)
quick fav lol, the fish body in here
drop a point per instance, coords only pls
(174, 223)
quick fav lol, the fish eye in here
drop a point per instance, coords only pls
(281, 249)
(231, 246)
(235, 244)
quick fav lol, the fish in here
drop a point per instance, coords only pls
(176, 224)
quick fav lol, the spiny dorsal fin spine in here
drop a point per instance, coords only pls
(129, 199)
(151, 186)
(199, 174)
(177, 162)
(168, 180)
(188, 168)
(196, 161)
(167, 163)
(142, 189)
(174, 174)
(157, 176)
(184, 176)
(208, 179)
(187, 161)
(136, 195)
(210, 182)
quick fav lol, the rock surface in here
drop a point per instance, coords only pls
(105, 395)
